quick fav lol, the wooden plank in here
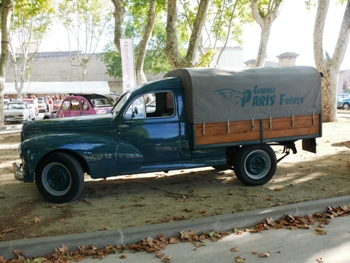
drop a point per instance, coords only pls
(229, 137)
(241, 131)
(220, 128)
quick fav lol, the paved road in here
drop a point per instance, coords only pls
(283, 245)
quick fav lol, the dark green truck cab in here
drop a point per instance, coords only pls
(192, 118)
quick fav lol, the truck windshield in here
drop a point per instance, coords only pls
(120, 102)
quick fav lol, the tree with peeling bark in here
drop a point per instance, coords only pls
(6, 9)
(143, 17)
(264, 12)
(172, 41)
(330, 65)
(224, 22)
(31, 21)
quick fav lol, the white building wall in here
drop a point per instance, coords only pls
(231, 57)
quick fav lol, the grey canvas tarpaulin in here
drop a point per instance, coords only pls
(224, 94)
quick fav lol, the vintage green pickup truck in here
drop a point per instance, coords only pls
(195, 117)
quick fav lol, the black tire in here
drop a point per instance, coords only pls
(346, 106)
(255, 164)
(59, 178)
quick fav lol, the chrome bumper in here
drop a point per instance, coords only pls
(18, 172)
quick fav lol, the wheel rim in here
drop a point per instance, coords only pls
(56, 179)
(257, 164)
(346, 106)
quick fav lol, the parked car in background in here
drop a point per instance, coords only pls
(343, 103)
(343, 95)
(82, 104)
(42, 106)
(113, 97)
(33, 103)
(18, 112)
(57, 104)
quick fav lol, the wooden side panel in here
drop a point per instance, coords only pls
(240, 131)
(283, 127)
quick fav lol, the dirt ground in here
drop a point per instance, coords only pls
(185, 194)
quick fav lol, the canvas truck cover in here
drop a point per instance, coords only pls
(225, 94)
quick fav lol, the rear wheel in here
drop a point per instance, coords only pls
(59, 178)
(255, 164)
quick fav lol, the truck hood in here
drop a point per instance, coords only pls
(68, 123)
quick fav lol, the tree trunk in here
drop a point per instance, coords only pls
(330, 66)
(172, 50)
(6, 11)
(265, 22)
(140, 75)
(119, 13)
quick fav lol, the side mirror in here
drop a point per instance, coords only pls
(134, 111)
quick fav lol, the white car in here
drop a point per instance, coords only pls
(18, 112)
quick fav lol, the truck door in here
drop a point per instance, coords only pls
(149, 132)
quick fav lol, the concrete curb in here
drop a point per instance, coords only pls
(38, 247)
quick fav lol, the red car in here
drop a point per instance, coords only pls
(81, 104)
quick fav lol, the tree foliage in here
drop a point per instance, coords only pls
(141, 21)
(6, 9)
(31, 21)
(85, 21)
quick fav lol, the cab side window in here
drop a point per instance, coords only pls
(162, 105)
(152, 105)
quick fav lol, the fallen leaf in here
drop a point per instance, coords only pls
(37, 220)
(239, 259)
(321, 231)
(319, 260)
(20, 255)
(264, 255)
(202, 212)
(122, 207)
(166, 259)
(122, 256)
(234, 249)
(237, 231)
(277, 189)
(86, 201)
(7, 230)
(159, 255)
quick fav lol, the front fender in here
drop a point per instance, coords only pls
(97, 152)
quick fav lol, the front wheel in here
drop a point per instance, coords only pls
(255, 164)
(59, 178)
(346, 106)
